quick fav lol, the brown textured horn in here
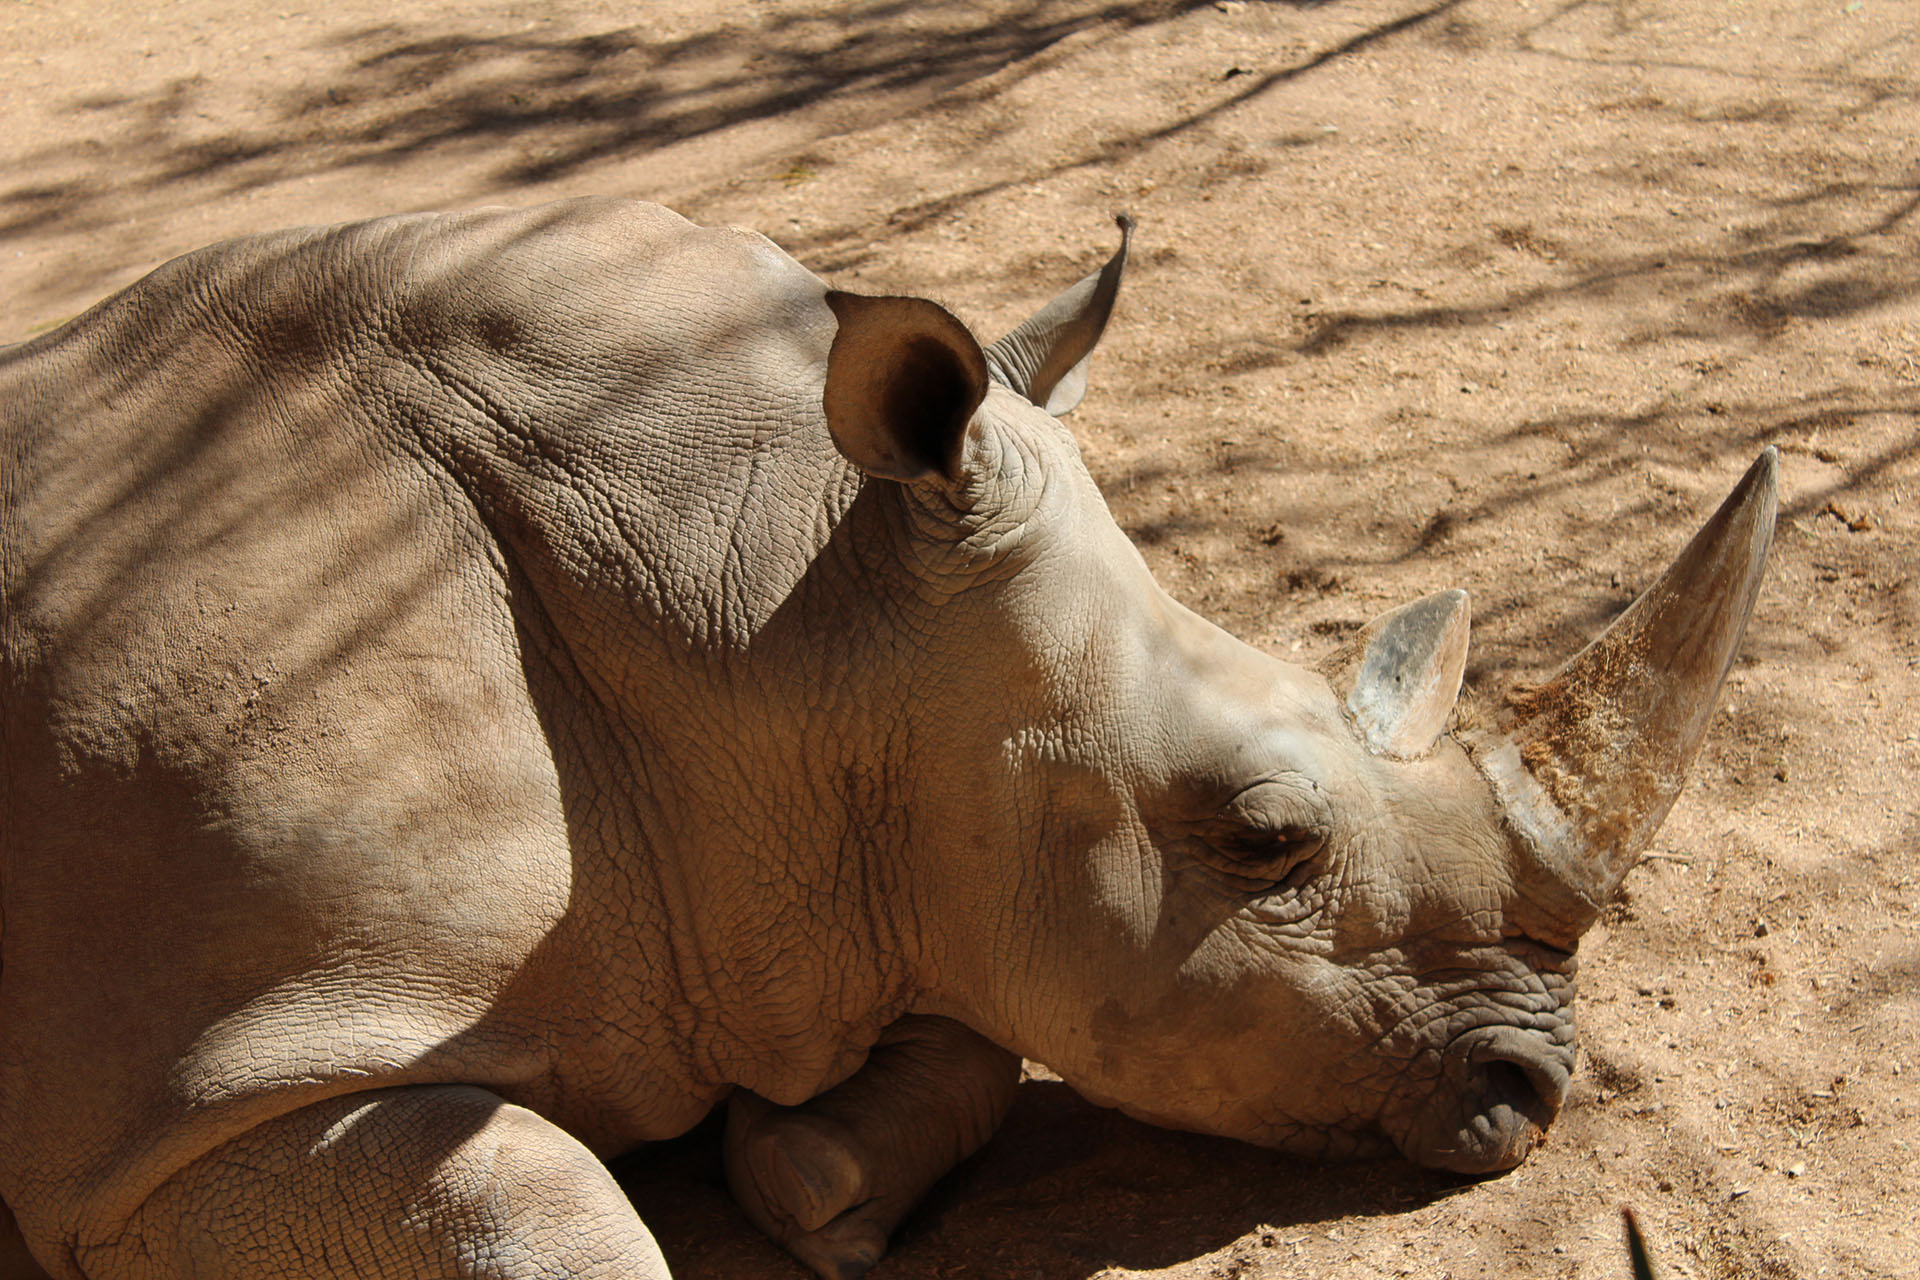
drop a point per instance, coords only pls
(1587, 764)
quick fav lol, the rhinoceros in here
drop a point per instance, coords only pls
(482, 690)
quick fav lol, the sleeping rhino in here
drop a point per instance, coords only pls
(482, 690)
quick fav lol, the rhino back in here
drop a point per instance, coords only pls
(295, 532)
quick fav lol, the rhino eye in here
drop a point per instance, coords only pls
(1277, 850)
(1270, 832)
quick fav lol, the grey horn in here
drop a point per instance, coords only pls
(1045, 359)
(1587, 764)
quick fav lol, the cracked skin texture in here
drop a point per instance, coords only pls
(466, 714)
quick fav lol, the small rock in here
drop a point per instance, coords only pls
(1737, 1192)
(1797, 1168)
(1856, 520)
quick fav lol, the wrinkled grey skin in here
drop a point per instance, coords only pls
(467, 711)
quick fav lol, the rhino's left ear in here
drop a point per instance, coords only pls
(903, 379)
(1402, 674)
(1045, 359)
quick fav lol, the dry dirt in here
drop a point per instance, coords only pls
(1500, 295)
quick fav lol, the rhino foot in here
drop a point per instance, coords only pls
(830, 1179)
(801, 1180)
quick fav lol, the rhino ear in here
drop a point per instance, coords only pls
(1402, 674)
(1045, 359)
(903, 379)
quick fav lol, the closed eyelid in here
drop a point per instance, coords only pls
(1292, 778)
(1285, 800)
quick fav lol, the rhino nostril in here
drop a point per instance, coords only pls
(1506, 1086)
(1533, 1085)
(1509, 1085)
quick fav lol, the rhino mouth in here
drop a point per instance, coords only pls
(1503, 1087)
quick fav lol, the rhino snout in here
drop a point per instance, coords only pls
(1504, 1087)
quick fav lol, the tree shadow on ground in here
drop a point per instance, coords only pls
(1827, 254)
(1620, 526)
(542, 106)
(1063, 1190)
(525, 108)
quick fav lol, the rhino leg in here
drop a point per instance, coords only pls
(830, 1179)
(402, 1184)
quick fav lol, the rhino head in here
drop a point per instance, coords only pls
(1323, 910)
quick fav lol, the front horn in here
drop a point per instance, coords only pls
(1587, 765)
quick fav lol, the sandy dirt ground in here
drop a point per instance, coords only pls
(1498, 294)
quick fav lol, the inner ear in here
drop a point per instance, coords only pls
(903, 380)
(931, 397)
